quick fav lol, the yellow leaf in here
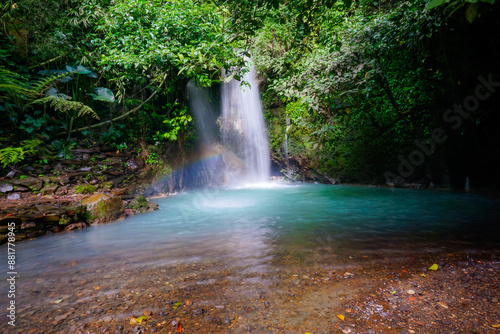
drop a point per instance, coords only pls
(141, 319)
(423, 275)
(434, 267)
(393, 292)
(495, 326)
(341, 317)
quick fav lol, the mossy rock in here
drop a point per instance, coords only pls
(103, 208)
(84, 189)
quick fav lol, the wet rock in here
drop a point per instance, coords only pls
(35, 234)
(14, 196)
(30, 182)
(56, 229)
(139, 204)
(11, 174)
(28, 169)
(198, 311)
(134, 164)
(74, 226)
(27, 224)
(58, 167)
(104, 208)
(49, 189)
(62, 191)
(164, 313)
(5, 187)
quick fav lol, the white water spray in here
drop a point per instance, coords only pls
(243, 131)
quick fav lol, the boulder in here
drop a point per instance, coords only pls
(140, 204)
(103, 208)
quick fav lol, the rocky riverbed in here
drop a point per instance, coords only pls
(320, 293)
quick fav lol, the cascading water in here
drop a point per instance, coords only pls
(208, 169)
(243, 132)
(233, 148)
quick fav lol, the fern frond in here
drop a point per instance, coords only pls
(44, 83)
(11, 155)
(15, 88)
(63, 105)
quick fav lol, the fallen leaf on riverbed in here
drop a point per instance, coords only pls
(423, 275)
(341, 317)
(434, 267)
(179, 328)
(495, 326)
(443, 305)
(176, 305)
(138, 320)
(141, 319)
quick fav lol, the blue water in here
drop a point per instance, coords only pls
(253, 225)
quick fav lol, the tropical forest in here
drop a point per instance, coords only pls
(253, 166)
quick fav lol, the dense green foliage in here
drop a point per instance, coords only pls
(356, 87)
(360, 83)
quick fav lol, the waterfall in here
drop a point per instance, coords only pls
(237, 138)
(207, 171)
(288, 126)
(244, 132)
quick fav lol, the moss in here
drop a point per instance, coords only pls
(65, 220)
(85, 189)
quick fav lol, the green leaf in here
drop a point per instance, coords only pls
(82, 70)
(103, 94)
(434, 267)
(471, 12)
(434, 3)
(229, 78)
(176, 305)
